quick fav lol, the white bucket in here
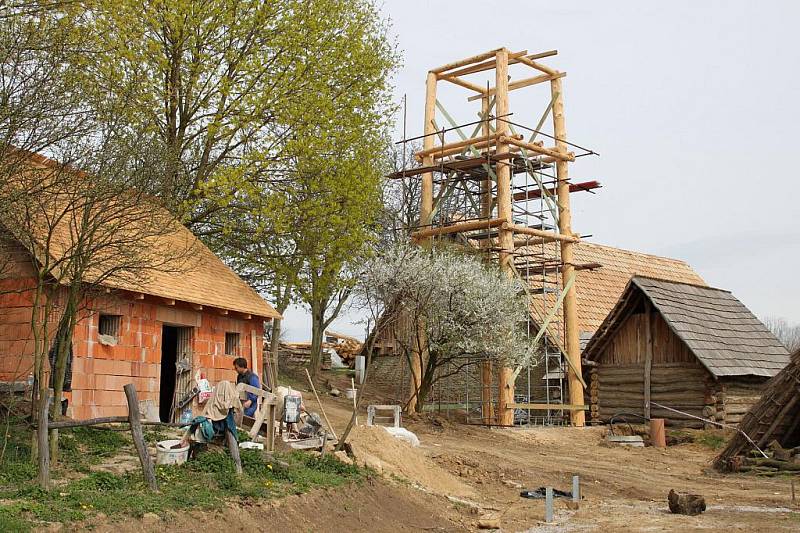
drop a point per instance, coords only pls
(165, 455)
(350, 393)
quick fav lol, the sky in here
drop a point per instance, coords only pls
(693, 106)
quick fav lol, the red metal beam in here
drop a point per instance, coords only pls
(537, 193)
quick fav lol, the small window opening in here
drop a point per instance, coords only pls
(109, 325)
(232, 344)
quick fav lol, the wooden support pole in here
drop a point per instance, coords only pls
(425, 219)
(233, 447)
(648, 355)
(135, 420)
(42, 442)
(321, 407)
(457, 147)
(555, 153)
(512, 60)
(458, 227)
(468, 61)
(548, 235)
(519, 84)
(463, 83)
(571, 333)
(487, 405)
(505, 385)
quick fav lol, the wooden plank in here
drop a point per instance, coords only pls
(465, 84)
(464, 62)
(455, 228)
(549, 406)
(648, 355)
(135, 420)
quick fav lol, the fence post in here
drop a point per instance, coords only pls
(138, 436)
(42, 441)
(548, 504)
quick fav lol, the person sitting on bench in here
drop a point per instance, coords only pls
(248, 377)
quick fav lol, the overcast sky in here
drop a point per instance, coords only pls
(693, 107)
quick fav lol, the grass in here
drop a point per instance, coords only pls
(207, 482)
(714, 440)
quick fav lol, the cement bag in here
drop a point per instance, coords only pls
(403, 434)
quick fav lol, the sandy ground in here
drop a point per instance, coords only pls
(623, 489)
(462, 473)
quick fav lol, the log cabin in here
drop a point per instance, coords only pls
(692, 348)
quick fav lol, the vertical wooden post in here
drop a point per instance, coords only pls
(570, 305)
(425, 219)
(657, 436)
(505, 383)
(487, 407)
(135, 420)
(42, 443)
(233, 447)
(648, 355)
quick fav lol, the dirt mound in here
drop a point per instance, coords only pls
(375, 447)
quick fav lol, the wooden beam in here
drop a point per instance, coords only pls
(512, 59)
(247, 316)
(458, 145)
(648, 355)
(540, 233)
(549, 406)
(552, 152)
(519, 84)
(223, 311)
(570, 305)
(139, 296)
(464, 62)
(169, 301)
(197, 307)
(458, 227)
(538, 66)
(463, 83)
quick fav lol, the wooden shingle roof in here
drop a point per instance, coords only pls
(598, 290)
(716, 327)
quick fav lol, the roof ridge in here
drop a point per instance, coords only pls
(654, 278)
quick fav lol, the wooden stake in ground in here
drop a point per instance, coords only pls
(42, 442)
(355, 401)
(233, 447)
(313, 388)
(138, 437)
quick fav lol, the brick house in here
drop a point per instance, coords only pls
(155, 334)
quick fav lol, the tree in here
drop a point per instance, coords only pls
(788, 334)
(271, 114)
(457, 310)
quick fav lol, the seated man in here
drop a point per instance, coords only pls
(248, 377)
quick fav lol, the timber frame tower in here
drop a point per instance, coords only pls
(477, 189)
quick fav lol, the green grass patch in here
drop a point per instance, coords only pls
(204, 483)
(714, 440)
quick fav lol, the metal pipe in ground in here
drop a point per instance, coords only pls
(548, 504)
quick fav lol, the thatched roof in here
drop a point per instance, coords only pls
(187, 271)
(776, 416)
(716, 327)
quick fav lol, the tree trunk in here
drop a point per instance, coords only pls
(317, 325)
(64, 336)
(274, 345)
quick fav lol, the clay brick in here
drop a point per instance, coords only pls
(103, 398)
(112, 367)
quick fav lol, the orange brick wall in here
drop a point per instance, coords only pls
(100, 371)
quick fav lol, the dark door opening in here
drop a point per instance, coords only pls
(169, 355)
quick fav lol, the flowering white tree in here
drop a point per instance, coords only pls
(456, 310)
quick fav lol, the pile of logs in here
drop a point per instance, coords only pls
(348, 350)
(780, 461)
(296, 355)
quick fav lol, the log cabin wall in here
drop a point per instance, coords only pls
(677, 379)
(736, 395)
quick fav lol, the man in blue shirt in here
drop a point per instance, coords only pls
(248, 377)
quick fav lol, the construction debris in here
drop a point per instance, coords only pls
(684, 503)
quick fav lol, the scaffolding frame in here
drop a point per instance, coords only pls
(509, 198)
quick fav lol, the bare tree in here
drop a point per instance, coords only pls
(788, 334)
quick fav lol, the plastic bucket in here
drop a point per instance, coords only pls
(165, 455)
(350, 393)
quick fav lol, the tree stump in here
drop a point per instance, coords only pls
(684, 503)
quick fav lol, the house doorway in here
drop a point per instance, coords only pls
(176, 366)
(169, 358)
